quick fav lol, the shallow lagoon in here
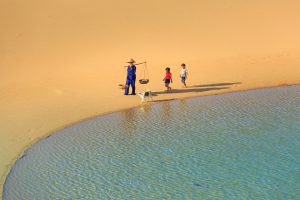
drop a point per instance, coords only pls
(243, 145)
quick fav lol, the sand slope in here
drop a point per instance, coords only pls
(61, 61)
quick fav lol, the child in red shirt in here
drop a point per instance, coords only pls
(168, 79)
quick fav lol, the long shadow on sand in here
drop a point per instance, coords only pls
(163, 100)
(174, 91)
(216, 84)
(199, 88)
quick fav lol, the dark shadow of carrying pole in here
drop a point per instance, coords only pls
(216, 84)
(163, 100)
(174, 91)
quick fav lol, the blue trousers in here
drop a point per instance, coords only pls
(130, 82)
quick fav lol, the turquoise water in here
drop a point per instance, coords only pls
(243, 145)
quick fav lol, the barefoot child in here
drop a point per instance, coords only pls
(183, 74)
(168, 79)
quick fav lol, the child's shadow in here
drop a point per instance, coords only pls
(198, 88)
(174, 91)
(216, 84)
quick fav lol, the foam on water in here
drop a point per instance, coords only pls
(243, 145)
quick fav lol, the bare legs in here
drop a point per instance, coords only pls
(168, 88)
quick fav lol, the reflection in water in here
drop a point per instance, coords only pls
(182, 105)
(146, 109)
(183, 111)
(128, 121)
(166, 112)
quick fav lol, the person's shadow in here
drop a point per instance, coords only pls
(198, 88)
(216, 84)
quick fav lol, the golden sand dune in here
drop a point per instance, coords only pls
(61, 61)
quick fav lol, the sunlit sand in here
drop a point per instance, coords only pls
(61, 61)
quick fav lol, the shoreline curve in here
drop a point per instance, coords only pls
(49, 134)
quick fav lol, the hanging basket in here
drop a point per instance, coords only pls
(144, 74)
(144, 81)
(122, 87)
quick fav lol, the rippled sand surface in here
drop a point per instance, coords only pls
(243, 145)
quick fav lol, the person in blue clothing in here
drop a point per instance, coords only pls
(131, 77)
